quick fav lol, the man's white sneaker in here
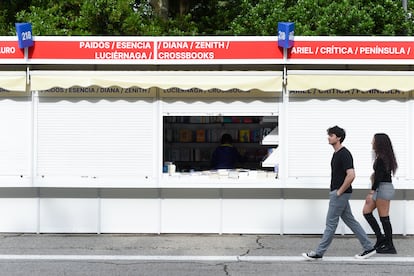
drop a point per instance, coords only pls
(366, 254)
(312, 256)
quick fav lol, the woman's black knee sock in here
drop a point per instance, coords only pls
(388, 246)
(386, 225)
(374, 224)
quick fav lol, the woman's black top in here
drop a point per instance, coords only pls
(381, 173)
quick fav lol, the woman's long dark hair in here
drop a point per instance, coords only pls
(384, 150)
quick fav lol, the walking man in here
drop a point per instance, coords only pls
(342, 175)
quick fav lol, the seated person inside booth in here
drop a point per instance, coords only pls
(226, 155)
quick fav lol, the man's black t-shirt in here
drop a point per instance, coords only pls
(341, 161)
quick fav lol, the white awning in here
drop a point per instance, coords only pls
(13, 80)
(223, 80)
(347, 80)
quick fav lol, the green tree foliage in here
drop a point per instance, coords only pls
(214, 17)
(349, 17)
(8, 10)
(106, 17)
(206, 17)
(259, 18)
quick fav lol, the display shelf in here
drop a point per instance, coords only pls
(272, 138)
(272, 159)
(189, 141)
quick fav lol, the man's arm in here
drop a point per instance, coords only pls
(350, 176)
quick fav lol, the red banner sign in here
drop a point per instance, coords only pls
(10, 50)
(164, 50)
(93, 50)
(210, 50)
(352, 50)
(218, 50)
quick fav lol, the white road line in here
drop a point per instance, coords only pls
(174, 258)
(326, 259)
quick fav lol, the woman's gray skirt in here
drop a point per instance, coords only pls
(385, 191)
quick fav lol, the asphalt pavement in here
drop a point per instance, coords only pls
(193, 254)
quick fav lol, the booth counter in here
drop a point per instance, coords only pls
(88, 125)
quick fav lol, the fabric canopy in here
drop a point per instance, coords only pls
(223, 80)
(347, 80)
(13, 81)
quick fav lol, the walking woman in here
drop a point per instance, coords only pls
(382, 191)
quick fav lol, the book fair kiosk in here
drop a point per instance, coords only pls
(115, 134)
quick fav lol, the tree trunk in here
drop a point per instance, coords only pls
(184, 6)
(160, 7)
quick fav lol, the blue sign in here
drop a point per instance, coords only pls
(24, 34)
(286, 33)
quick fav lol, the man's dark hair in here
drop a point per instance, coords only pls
(339, 132)
(226, 139)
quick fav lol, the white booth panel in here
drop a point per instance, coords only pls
(356, 207)
(179, 215)
(251, 216)
(130, 215)
(18, 214)
(214, 107)
(265, 81)
(346, 80)
(69, 215)
(15, 141)
(360, 118)
(89, 138)
(304, 216)
(396, 216)
(409, 217)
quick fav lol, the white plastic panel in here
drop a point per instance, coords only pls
(69, 215)
(15, 141)
(95, 138)
(309, 153)
(409, 221)
(130, 215)
(273, 159)
(215, 107)
(18, 215)
(305, 216)
(190, 215)
(262, 216)
(396, 217)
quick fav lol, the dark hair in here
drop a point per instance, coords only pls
(383, 148)
(339, 132)
(226, 139)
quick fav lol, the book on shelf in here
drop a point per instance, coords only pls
(175, 155)
(195, 119)
(200, 135)
(247, 120)
(256, 135)
(186, 135)
(236, 119)
(186, 154)
(226, 119)
(196, 153)
(244, 135)
(205, 154)
(168, 135)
